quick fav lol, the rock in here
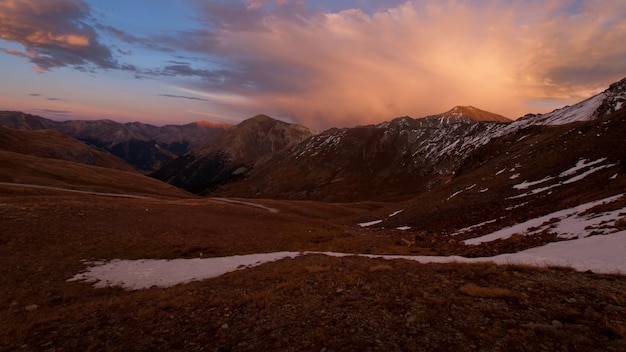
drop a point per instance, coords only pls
(557, 324)
(31, 307)
(224, 326)
(621, 223)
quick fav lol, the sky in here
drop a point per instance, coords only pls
(322, 64)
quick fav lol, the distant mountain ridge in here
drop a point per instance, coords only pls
(232, 154)
(147, 147)
(54, 144)
(265, 158)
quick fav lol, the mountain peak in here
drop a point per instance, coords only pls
(473, 113)
(260, 121)
(262, 117)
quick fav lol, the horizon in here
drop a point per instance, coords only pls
(218, 124)
(320, 64)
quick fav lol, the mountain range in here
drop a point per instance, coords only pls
(146, 147)
(395, 160)
(232, 154)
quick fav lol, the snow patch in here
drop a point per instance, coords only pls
(370, 223)
(527, 184)
(454, 194)
(581, 164)
(600, 254)
(470, 228)
(403, 228)
(516, 206)
(567, 223)
(395, 213)
(587, 173)
(146, 273)
(573, 172)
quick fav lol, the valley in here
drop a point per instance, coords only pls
(308, 302)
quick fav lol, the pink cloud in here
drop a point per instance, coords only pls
(420, 58)
(54, 33)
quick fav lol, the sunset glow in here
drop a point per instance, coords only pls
(319, 63)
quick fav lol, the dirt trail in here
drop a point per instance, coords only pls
(228, 200)
(119, 195)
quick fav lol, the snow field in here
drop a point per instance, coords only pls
(568, 223)
(600, 254)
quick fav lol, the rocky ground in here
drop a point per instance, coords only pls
(313, 302)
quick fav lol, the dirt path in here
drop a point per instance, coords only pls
(119, 195)
(228, 200)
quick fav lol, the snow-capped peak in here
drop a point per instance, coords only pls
(604, 103)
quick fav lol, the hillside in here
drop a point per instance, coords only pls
(146, 147)
(520, 176)
(49, 158)
(405, 157)
(55, 144)
(232, 154)
(392, 159)
(22, 169)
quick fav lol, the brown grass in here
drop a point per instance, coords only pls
(380, 267)
(474, 290)
(317, 268)
(305, 304)
(26, 169)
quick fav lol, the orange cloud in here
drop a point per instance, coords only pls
(422, 58)
(54, 33)
(41, 38)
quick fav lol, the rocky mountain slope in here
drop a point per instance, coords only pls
(405, 157)
(144, 146)
(532, 172)
(232, 154)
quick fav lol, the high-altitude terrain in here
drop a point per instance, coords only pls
(232, 154)
(539, 201)
(145, 147)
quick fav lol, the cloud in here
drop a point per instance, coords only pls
(417, 58)
(182, 97)
(324, 67)
(55, 112)
(38, 95)
(54, 33)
